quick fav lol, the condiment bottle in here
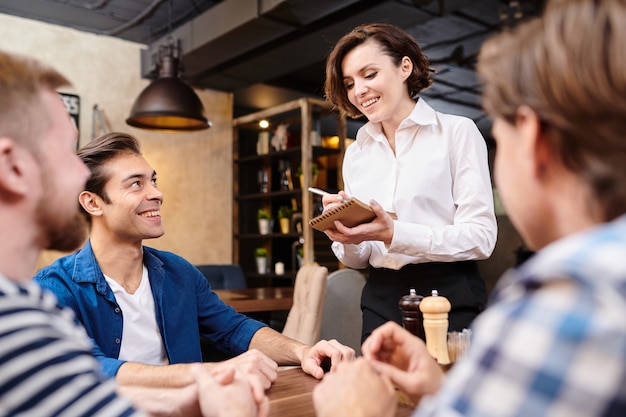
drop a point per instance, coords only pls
(411, 313)
(435, 310)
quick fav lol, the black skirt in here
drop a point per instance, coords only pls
(460, 282)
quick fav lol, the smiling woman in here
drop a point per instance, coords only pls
(428, 167)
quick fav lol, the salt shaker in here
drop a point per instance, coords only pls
(435, 310)
(411, 314)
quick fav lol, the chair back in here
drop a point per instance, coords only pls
(305, 316)
(227, 276)
(342, 318)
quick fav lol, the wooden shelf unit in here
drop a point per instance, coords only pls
(302, 117)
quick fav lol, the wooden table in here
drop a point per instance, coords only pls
(291, 395)
(250, 300)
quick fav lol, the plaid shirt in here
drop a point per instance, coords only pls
(553, 341)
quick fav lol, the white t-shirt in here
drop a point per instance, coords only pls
(141, 338)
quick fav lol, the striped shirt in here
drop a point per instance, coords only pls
(553, 342)
(46, 366)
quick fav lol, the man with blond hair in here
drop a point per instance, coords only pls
(553, 340)
(46, 366)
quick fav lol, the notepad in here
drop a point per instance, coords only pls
(351, 213)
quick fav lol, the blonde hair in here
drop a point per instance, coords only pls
(568, 66)
(21, 81)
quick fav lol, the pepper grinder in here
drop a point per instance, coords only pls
(411, 313)
(435, 310)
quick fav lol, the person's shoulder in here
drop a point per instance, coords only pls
(444, 118)
(38, 336)
(10, 288)
(589, 257)
(459, 129)
(30, 300)
(61, 267)
(602, 247)
(455, 120)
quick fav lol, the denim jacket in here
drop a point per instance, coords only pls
(186, 308)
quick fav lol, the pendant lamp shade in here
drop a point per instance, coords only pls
(168, 103)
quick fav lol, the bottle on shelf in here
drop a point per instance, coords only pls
(285, 174)
(263, 181)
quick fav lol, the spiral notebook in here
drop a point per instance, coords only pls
(351, 213)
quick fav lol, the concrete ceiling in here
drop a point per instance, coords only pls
(270, 51)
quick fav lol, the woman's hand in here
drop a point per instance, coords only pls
(381, 228)
(333, 200)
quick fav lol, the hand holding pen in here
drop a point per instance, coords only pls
(330, 200)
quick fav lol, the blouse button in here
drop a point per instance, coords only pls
(117, 341)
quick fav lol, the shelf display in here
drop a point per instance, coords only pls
(273, 168)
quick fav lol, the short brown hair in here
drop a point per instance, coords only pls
(100, 150)
(21, 81)
(568, 66)
(395, 42)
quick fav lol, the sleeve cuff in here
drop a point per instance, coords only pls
(413, 241)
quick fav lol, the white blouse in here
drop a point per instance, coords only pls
(437, 183)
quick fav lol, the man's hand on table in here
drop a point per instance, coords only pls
(228, 392)
(355, 389)
(404, 359)
(255, 363)
(317, 357)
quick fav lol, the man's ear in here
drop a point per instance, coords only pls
(528, 124)
(13, 168)
(91, 203)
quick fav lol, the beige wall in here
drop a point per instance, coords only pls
(194, 169)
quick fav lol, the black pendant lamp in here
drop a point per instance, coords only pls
(168, 103)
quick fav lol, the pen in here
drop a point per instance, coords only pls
(318, 191)
(323, 193)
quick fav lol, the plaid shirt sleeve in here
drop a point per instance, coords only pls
(553, 343)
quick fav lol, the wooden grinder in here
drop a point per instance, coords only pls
(435, 311)
(412, 319)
